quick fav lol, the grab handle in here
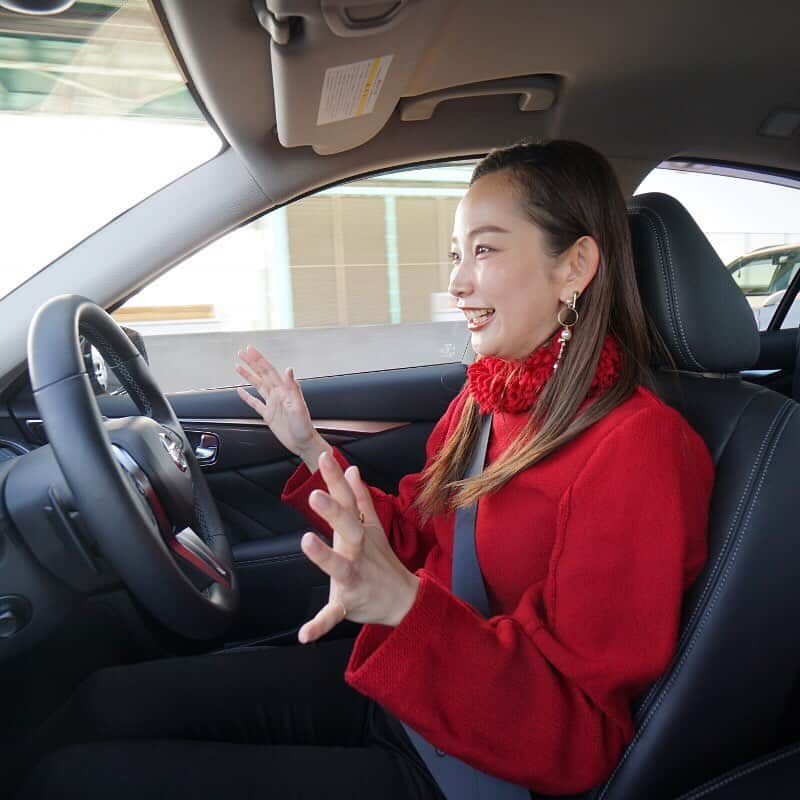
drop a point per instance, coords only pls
(537, 93)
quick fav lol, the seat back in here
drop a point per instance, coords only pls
(720, 701)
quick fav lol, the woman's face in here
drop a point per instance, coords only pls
(506, 283)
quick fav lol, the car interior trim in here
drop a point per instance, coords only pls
(345, 426)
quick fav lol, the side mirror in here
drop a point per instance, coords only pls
(103, 379)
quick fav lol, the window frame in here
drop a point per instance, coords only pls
(732, 169)
(785, 303)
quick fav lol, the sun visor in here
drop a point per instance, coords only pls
(339, 67)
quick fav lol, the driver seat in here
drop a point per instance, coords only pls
(723, 699)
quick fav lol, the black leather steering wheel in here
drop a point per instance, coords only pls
(135, 481)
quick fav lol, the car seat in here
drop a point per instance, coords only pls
(722, 701)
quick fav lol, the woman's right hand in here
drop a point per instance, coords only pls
(281, 406)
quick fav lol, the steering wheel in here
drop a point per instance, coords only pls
(136, 483)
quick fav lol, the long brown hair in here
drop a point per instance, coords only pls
(568, 190)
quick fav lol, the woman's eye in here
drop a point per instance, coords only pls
(480, 249)
(454, 257)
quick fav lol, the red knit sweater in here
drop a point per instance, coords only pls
(585, 557)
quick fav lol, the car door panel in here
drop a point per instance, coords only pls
(778, 349)
(248, 496)
(380, 421)
(776, 361)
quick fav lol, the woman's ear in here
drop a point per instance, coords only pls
(583, 259)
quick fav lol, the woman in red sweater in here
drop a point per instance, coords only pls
(592, 506)
(591, 517)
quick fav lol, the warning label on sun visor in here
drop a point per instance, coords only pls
(351, 90)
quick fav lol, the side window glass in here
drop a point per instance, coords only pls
(755, 276)
(352, 279)
(752, 223)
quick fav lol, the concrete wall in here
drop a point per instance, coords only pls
(183, 362)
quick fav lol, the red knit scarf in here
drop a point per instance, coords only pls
(514, 386)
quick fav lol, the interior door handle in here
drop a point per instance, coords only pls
(207, 448)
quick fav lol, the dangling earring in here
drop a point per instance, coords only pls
(566, 333)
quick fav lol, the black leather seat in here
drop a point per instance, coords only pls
(775, 776)
(719, 704)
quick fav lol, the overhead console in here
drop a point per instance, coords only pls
(340, 68)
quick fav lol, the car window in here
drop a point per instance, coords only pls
(95, 115)
(785, 272)
(755, 275)
(766, 274)
(351, 279)
(752, 221)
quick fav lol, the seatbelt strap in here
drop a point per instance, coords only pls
(467, 580)
(457, 779)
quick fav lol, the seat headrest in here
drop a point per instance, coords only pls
(700, 312)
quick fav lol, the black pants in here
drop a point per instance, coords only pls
(266, 722)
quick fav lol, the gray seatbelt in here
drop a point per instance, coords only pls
(457, 779)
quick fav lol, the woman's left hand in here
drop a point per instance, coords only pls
(367, 578)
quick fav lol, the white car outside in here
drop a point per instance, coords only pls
(763, 276)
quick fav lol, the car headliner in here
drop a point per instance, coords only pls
(641, 82)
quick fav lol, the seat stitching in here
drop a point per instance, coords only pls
(118, 365)
(741, 772)
(675, 671)
(687, 633)
(662, 271)
(674, 287)
(672, 284)
(254, 562)
(677, 668)
(208, 532)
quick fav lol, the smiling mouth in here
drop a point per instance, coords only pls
(478, 317)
